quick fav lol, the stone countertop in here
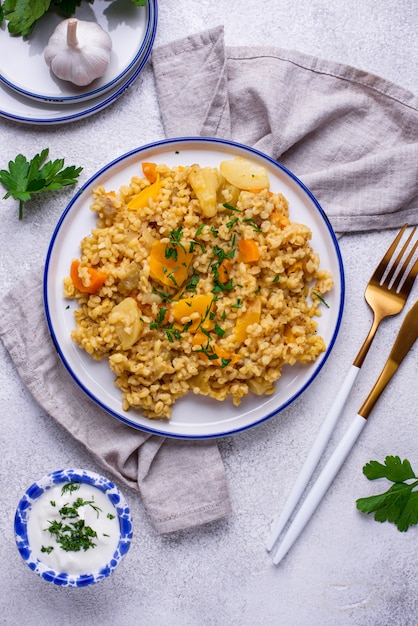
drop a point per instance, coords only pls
(345, 569)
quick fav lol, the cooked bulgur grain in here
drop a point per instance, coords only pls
(208, 287)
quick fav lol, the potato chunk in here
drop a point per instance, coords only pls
(125, 317)
(244, 174)
(205, 182)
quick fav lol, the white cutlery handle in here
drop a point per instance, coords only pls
(314, 455)
(321, 486)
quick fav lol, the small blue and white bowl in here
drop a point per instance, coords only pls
(43, 503)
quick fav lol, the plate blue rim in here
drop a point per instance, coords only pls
(214, 141)
(94, 92)
(92, 106)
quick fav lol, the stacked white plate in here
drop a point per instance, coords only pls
(30, 93)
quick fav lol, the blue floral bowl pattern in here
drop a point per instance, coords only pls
(66, 476)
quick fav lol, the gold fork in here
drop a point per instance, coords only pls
(388, 291)
(386, 294)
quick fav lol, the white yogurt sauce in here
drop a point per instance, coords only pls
(101, 517)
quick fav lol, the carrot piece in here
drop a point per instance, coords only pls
(211, 350)
(280, 220)
(224, 355)
(170, 270)
(224, 270)
(96, 278)
(249, 251)
(150, 171)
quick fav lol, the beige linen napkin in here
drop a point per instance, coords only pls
(350, 136)
(182, 483)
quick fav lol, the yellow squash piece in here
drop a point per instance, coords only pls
(244, 174)
(251, 316)
(141, 199)
(126, 319)
(169, 269)
(201, 304)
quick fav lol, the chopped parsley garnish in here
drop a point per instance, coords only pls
(231, 223)
(172, 333)
(192, 284)
(71, 531)
(251, 221)
(171, 276)
(160, 318)
(176, 236)
(70, 487)
(163, 295)
(218, 286)
(171, 253)
(194, 243)
(230, 207)
(320, 298)
(208, 352)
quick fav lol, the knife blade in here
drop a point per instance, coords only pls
(404, 341)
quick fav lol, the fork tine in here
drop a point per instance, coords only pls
(393, 269)
(409, 280)
(382, 267)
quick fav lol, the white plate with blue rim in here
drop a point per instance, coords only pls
(193, 417)
(73, 105)
(23, 67)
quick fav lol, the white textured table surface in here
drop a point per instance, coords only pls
(345, 568)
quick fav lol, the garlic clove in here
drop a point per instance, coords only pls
(78, 51)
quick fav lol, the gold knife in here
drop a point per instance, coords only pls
(404, 341)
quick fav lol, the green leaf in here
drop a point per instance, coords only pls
(25, 178)
(399, 504)
(22, 14)
(409, 515)
(394, 469)
(67, 7)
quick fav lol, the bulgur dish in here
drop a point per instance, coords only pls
(196, 280)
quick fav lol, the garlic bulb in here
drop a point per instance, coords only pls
(78, 51)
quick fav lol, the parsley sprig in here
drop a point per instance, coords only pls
(23, 14)
(25, 178)
(399, 504)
